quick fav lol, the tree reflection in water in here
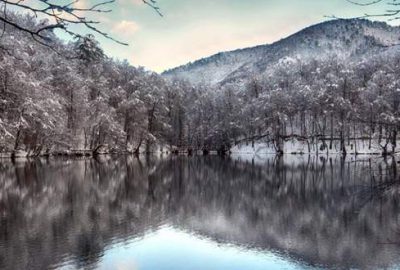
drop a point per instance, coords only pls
(327, 212)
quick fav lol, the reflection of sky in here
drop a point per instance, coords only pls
(171, 249)
(191, 29)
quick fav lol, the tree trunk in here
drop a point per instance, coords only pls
(331, 142)
(137, 150)
(394, 140)
(355, 139)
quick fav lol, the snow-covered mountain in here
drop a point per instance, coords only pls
(348, 39)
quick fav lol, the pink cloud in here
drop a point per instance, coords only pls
(125, 28)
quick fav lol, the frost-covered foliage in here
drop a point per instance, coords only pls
(72, 97)
(76, 98)
(329, 86)
(328, 104)
(345, 38)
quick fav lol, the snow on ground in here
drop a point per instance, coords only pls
(361, 147)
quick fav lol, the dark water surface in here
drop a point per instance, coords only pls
(200, 213)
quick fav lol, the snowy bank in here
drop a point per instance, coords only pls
(358, 147)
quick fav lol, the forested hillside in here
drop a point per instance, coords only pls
(347, 39)
(71, 97)
(332, 87)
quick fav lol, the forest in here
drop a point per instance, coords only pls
(72, 98)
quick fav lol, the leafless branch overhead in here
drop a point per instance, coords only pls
(61, 16)
(392, 12)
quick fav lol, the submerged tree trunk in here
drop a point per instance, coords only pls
(137, 149)
(394, 140)
(342, 143)
(278, 138)
(355, 139)
(17, 139)
(331, 142)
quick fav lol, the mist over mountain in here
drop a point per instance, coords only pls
(346, 39)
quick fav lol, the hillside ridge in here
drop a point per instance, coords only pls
(343, 37)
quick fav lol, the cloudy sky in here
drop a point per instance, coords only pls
(192, 29)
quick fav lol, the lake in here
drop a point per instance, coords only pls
(197, 213)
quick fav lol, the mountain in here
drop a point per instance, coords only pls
(344, 38)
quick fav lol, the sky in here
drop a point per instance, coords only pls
(193, 29)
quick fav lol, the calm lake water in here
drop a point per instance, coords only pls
(200, 213)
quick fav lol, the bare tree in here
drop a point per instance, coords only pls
(392, 12)
(61, 16)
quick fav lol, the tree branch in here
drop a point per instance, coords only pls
(64, 16)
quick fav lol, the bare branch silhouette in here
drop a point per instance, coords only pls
(392, 13)
(61, 16)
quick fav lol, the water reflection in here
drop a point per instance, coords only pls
(189, 251)
(199, 212)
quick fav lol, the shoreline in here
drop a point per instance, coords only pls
(8, 155)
